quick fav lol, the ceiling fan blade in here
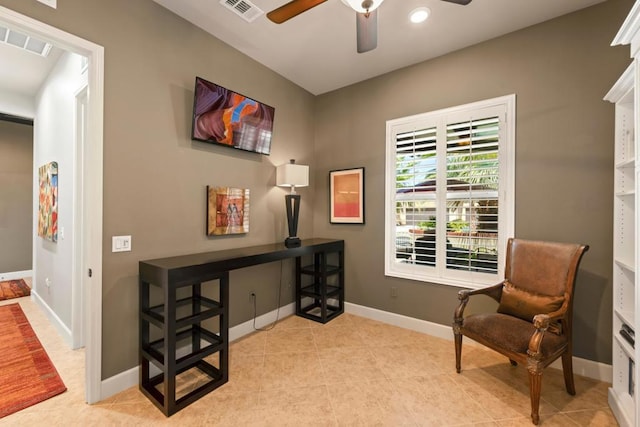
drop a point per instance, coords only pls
(462, 2)
(367, 31)
(291, 9)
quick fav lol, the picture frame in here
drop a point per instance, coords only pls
(48, 201)
(346, 196)
(227, 211)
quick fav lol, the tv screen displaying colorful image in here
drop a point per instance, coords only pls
(222, 116)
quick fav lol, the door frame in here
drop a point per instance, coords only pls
(92, 183)
(81, 108)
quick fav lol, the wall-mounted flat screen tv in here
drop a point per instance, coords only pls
(222, 116)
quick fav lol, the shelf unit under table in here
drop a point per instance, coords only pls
(326, 290)
(201, 342)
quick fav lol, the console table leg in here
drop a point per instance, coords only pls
(143, 302)
(224, 326)
(170, 350)
(196, 307)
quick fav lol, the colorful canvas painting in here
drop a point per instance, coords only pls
(48, 201)
(227, 211)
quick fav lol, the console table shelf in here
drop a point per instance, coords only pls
(314, 291)
(191, 271)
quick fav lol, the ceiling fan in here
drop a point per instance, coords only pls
(366, 17)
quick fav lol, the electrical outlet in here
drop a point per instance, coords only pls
(47, 282)
(394, 291)
(252, 296)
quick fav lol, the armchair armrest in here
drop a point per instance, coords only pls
(494, 292)
(542, 322)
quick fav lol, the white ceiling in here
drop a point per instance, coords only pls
(23, 72)
(317, 49)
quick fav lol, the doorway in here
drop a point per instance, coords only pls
(87, 257)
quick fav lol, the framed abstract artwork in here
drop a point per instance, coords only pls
(227, 211)
(346, 194)
(48, 201)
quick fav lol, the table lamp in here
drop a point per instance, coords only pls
(292, 175)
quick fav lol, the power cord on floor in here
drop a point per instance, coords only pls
(253, 295)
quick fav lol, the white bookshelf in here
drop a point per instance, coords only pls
(623, 394)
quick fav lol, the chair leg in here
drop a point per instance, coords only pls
(457, 338)
(567, 370)
(535, 386)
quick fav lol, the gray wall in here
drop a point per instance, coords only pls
(559, 70)
(155, 176)
(16, 178)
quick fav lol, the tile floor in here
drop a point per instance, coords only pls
(352, 371)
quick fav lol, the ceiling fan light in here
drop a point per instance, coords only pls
(357, 5)
(419, 15)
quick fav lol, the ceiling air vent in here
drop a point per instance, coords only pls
(243, 8)
(24, 42)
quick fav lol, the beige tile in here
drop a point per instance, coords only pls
(251, 344)
(351, 371)
(294, 396)
(245, 372)
(404, 361)
(596, 418)
(283, 370)
(337, 336)
(344, 364)
(290, 341)
(294, 322)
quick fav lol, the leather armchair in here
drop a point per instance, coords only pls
(532, 325)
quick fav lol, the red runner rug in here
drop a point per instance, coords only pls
(13, 289)
(27, 375)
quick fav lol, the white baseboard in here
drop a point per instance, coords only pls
(130, 378)
(588, 368)
(15, 275)
(618, 408)
(266, 319)
(119, 382)
(423, 326)
(63, 330)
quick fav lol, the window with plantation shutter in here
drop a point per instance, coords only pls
(450, 193)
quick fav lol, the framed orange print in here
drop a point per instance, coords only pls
(346, 194)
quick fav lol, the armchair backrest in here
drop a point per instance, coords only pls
(546, 268)
(539, 279)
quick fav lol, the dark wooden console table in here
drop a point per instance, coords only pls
(320, 297)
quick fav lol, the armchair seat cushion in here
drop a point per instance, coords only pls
(510, 333)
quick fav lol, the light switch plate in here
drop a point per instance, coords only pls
(121, 244)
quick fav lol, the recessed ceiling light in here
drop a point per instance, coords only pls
(419, 15)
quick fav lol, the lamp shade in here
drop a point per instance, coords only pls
(292, 175)
(361, 6)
